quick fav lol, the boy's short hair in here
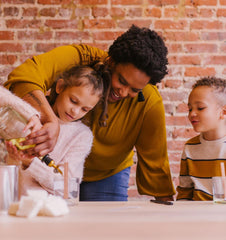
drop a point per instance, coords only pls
(217, 84)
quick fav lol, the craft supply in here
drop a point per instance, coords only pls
(223, 178)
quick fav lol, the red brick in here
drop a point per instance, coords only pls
(53, 2)
(45, 47)
(209, 36)
(222, 2)
(6, 35)
(169, 108)
(126, 2)
(176, 145)
(174, 156)
(82, 12)
(62, 24)
(128, 23)
(174, 48)
(8, 59)
(182, 108)
(92, 2)
(10, 47)
(177, 121)
(134, 12)
(171, 12)
(185, 60)
(163, 2)
(79, 36)
(202, 2)
(181, 36)
(30, 12)
(117, 12)
(153, 12)
(172, 95)
(172, 83)
(200, 48)
(106, 35)
(199, 71)
(17, 1)
(207, 13)
(14, 23)
(11, 11)
(213, 60)
(221, 13)
(48, 12)
(169, 24)
(100, 12)
(98, 24)
(204, 24)
(183, 133)
(34, 35)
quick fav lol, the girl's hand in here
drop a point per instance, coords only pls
(34, 124)
(17, 155)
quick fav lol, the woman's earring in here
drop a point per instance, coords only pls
(141, 97)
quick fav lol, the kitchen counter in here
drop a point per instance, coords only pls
(123, 220)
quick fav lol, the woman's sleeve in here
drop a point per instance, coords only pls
(153, 171)
(41, 71)
(22, 107)
(185, 187)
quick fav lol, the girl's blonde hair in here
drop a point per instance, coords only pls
(96, 75)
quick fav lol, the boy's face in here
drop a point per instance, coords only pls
(204, 111)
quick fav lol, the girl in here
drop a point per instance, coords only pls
(73, 95)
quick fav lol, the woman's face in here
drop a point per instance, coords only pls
(72, 103)
(127, 81)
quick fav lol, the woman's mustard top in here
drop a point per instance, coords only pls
(130, 123)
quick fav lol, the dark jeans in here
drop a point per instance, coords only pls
(113, 188)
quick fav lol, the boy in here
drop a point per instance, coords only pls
(202, 154)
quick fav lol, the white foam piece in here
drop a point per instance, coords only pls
(29, 207)
(54, 206)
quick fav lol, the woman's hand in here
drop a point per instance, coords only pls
(44, 139)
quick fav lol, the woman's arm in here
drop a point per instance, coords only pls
(46, 138)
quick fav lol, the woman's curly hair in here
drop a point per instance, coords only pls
(143, 48)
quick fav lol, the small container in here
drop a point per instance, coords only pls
(70, 193)
(219, 189)
(8, 186)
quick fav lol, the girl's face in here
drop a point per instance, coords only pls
(127, 81)
(73, 103)
(205, 114)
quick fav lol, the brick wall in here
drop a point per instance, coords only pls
(194, 31)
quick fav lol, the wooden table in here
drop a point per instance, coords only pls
(123, 220)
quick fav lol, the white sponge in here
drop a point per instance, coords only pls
(38, 202)
(29, 207)
(54, 206)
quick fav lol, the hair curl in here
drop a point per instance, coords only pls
(143, 48)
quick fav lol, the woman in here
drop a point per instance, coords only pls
(137, 61)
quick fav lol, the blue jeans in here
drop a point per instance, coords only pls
(113, 188)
